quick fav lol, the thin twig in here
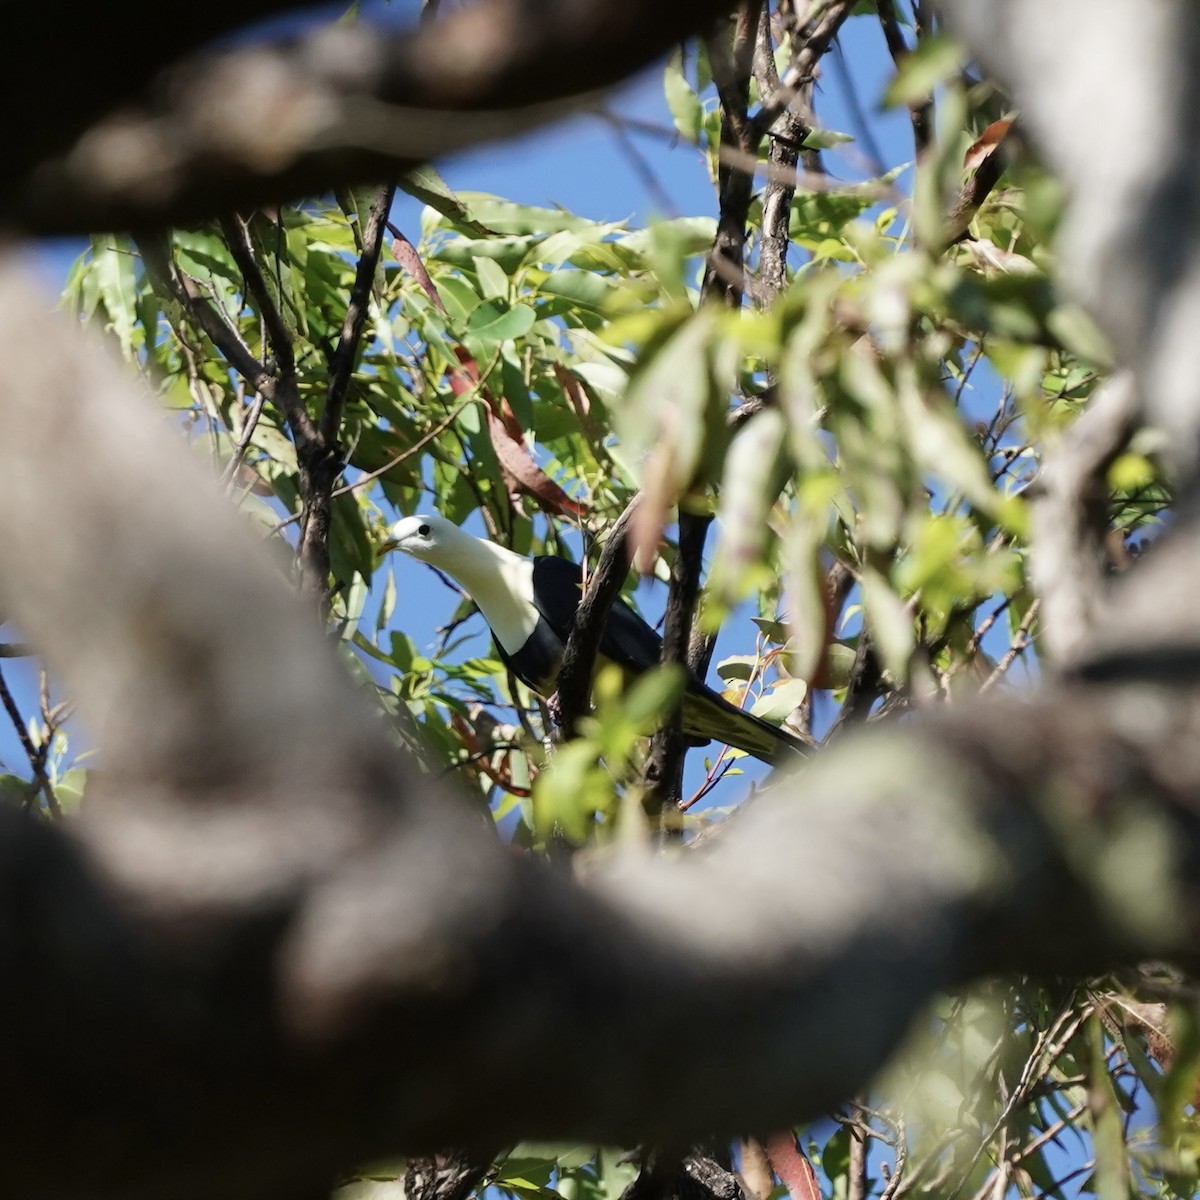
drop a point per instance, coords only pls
(1020, 643)
(244, 438)
(364, 480)
(36, 756)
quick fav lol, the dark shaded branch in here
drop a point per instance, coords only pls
(732, 67)
(279, 337)
(317, 450)
(318, 464)
(447, 1175)
(920, 112)
(663, 772)
(341, 366)
(697, 1175)
(169, 280)
(603, 587)
(783, 152)
(800, 70)
(238, 129)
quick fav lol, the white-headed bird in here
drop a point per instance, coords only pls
(530, 603)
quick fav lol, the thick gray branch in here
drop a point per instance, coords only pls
(264, 911)
(1131, 243)
(1070, 514)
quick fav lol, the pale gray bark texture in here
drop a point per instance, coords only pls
(1110, 93)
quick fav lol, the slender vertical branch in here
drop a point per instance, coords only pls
(732, 67)
(320, 457)
(818, 38)
(920, 112)
(783, 153)
(664, 769)
(579, 656)
(341, 365)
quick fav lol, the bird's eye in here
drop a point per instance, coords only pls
(424, 531)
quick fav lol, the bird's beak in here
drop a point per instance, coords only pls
(390, 544)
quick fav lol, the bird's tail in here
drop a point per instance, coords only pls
(709, 715)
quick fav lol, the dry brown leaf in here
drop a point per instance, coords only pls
(985, 144)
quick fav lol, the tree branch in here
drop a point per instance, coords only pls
(341, 366)
(920, 112)
(319, 456)
(274, 914)
(233, 130)
(574, 685)
(783, 152)
(804, 63)
(1070, 522)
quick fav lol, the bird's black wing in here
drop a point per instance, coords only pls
(627, 639)
(632, 644)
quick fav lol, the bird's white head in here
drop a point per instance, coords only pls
(428, 538)
(498, 580)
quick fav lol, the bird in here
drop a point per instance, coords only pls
(529, 605)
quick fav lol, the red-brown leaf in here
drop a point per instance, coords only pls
(573, 390)
(405, 253)
(521, 473)
(791, 1164)
(985, 144)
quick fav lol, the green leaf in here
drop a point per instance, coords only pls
(430, 188)
(1108, 1135)
(1076, 330)
(15, 791)
(654, 694)
(781, 701)
(890, 622)
(754, 474)
(931, 63)
(113, 267)
(739, 668)
(671, 406)
(825, 139)
(493, 282)
(505, 217)
(497, 321)
(684, 105)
